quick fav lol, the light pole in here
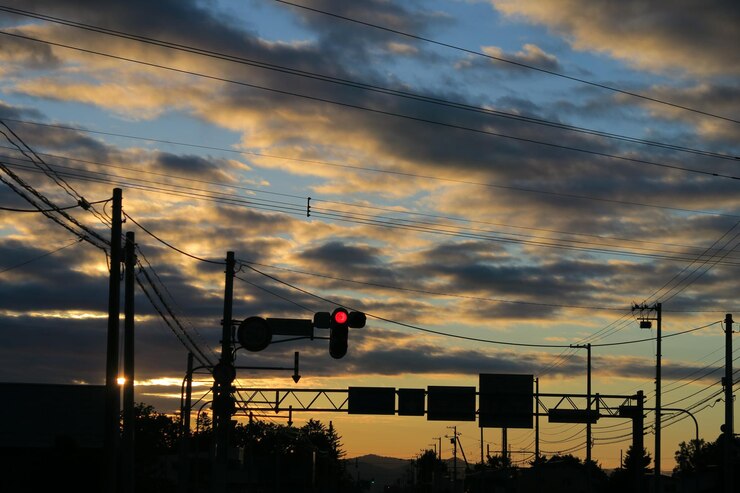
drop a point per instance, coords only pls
(696, 423)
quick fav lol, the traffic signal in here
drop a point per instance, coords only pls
(255, 333)
(338, 333)
(339, 323)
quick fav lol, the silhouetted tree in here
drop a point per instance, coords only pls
(498, 462)
(285, 458)
(697, 455)
(634, 464)
(156, 436)
(429, 470)
(637, 460)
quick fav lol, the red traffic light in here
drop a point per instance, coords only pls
(340, 316)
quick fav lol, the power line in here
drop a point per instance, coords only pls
(512, 62)
(401, 224)
(191, 345)
(169, 245)
(362, 206)
(31, 154)
(354, 83)
(524, 140)
(45, 254)
(50, 215)
(456, 336)
(365, 205)
(360, 168)
(249, 263)
(69, 207)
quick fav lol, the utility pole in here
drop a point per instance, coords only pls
(128, 467)
(453, 440)
(222, 386)
(439, 451)
(111, 422)
(729, 434)
(645, 324)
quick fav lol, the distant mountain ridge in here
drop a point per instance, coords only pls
(381, 470)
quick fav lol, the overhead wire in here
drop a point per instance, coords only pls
(480, 131)
(199, 259)
(178, 329)
(51, 173)
(617, 343)
(348, 82)
(66, 208)
(33, 157)
(296, 208)
(39, 257)
(85, 235)
(403, 224)
(457, 336)
(363, 169)
(512, 62)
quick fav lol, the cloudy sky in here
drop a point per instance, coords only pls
(489, 180)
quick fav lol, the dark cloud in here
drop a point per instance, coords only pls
(648, 35)
(193, 165)
(49, 283)
(337, 255)
(14, 112)
(36, 349)
(350, 40)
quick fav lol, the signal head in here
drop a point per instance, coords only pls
(340, 316)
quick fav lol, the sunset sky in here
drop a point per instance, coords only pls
(489, 180)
